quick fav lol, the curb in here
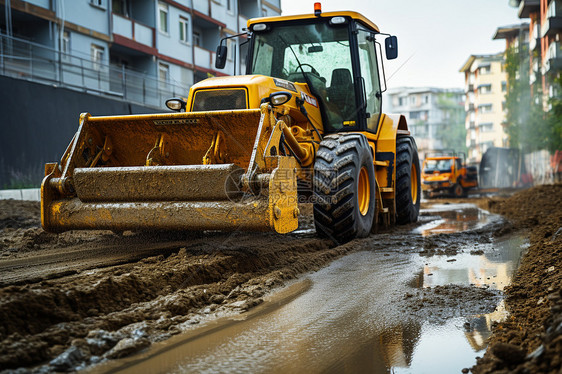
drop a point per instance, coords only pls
(32, 194)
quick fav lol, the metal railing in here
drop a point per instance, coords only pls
(23, 59)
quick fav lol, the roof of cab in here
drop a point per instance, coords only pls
(354, 15)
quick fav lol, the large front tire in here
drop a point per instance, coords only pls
(408, 182)
(457, 190)
(344, 187)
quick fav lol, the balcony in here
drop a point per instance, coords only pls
(553, 22)
(201, 6)
(275, 3)
(22, 59)
(203, 58)
(526, 7)
(534, 37)
(553, 58)
(134, 32)
(470, 88)
(250, 8)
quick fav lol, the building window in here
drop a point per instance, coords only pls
(263, 12)
(184, 28)
(412, 100)
(485, 88)
(197, 38)
(229, 6)
(485, 69)
(98, 3)
(485, 108)
(400, 101)
(485, 146)
(486, 127)
(163, 75)
(426, 99)
(120, 7)
(97, 56)
(504, 86)
(163, 17)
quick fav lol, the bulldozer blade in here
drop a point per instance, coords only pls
(179, 171)
(170, 215)
(157, 183)
(274, 208)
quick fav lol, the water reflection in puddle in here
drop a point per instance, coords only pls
(455, 344)
(450, 218)
(492, 269)
(352, 320)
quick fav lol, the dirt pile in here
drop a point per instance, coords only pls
(530, 341)
(439, 304)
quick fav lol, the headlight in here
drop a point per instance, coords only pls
(279, 98)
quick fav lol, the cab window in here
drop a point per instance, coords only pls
(370, 77)
(314, 53)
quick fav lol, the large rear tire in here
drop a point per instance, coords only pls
(344, 187)
(408, 183)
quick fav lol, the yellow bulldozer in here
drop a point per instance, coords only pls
(241, 152)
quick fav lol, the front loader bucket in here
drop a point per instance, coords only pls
(180, 171)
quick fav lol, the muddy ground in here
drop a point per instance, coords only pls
(74, 299)
(530, 341)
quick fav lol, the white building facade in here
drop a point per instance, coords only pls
(429, 112)
(486, 85)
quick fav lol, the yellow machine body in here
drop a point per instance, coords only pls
(202, 169)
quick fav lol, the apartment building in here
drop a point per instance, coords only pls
(545, 50)
(140, 51)
(430, 113)
(485, 87)
(515, 36)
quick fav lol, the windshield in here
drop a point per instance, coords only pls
(437, 165)
(325, 58)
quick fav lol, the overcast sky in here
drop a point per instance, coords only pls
(435, 38)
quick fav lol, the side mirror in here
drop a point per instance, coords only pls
(391, 46)
(220, 61)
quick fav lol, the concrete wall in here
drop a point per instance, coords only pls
(86, 14)
(38, 122)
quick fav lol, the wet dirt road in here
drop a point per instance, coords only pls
(412, 306)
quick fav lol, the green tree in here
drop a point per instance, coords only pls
(453, 133)
(517, 99)
(554, 119)
(528, 125)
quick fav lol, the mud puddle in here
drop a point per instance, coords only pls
(455, 332)
(369, 311)
(490, 266)
(451, 218)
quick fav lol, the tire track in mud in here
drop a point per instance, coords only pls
(73, 260)
(225, 273)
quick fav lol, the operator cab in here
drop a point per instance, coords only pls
(337, 54)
